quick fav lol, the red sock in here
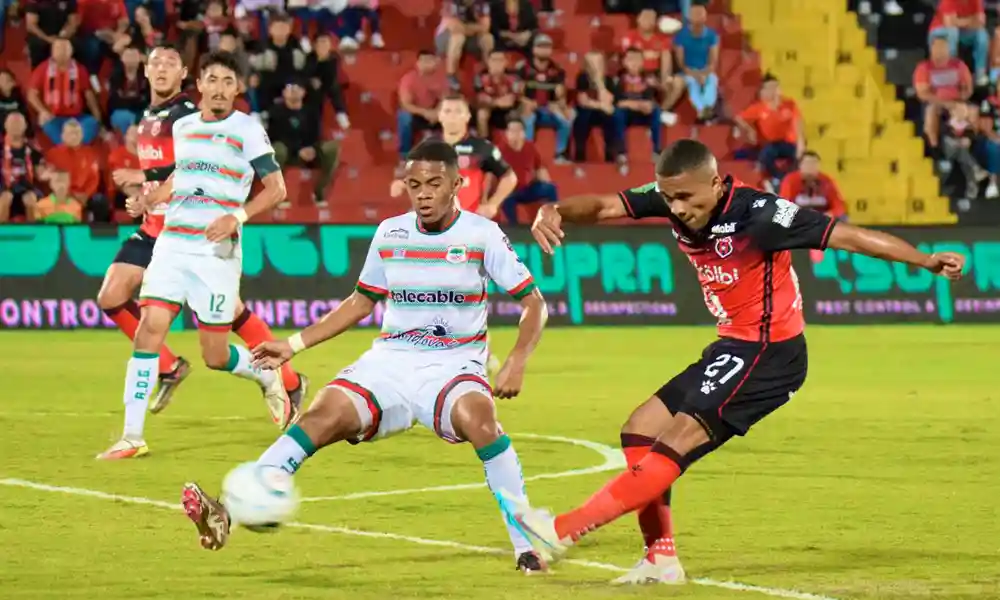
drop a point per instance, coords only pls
(126, 317)
(253, 330)
(631, 490)
(654, 518)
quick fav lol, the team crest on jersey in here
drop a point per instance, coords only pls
(456, 254)
(463, 162)
(155, 128)
(400, 234)
(724, 246)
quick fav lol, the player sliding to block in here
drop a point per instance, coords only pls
(197, 258)
(165, 72)
(428, 365)
(738, 241)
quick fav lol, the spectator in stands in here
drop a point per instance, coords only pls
(595, 107)
(276, 60)
(141, 33)
(83, 165)
(543, 102)
(497, 92)
(353, 18)
(533, 181)
(465, 27)
(323, 71)
(774, 130)
(964, 22)
(20, 171)
(124, 158)
(657, 61)
(940, 81)
(214, 23)
(514, 24)
(294, 129)
(11, 98)
(59, 92)
(128, 93)
(59, 207)
(811, 188)
(47, 21)
(420, 91)
(102, 22)
(635, 104)
(188, 15)
(697, 47)
(959, 135)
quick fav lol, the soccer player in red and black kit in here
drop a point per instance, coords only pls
(477, 158)
(738, 241)
(166, 72)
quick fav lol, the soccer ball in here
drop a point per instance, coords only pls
(259, 497)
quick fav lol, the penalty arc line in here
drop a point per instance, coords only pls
(729, 585)
(613, 461)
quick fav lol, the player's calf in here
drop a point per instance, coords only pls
(332, 417)
(473, 419)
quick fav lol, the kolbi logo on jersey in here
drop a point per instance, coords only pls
(150, 153)
(716, 274)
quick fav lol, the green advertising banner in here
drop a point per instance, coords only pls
(293, 274)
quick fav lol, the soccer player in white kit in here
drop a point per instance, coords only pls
(197, 258)
(432, 267)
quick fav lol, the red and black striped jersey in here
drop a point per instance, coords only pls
(742, 257)
(156, 149)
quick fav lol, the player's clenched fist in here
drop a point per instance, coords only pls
(271, 355)
(547, 228)
(510, 378)
(135, 206)
(947, 264)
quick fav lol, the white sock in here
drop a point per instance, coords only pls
(503, 472)
(289, 451)
(241, 366)
(140, 378)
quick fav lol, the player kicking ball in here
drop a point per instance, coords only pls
(738, 241)
(428, 365)
(197, 258)
(165, 72)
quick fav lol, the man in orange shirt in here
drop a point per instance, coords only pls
(82, 164)
(59, 207)
(657, 61)
(810, 188)
(124, 157)
(773, 127)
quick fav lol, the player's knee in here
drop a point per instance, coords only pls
(332, 417)
(111, 295)
(649, 419)
(685, 433)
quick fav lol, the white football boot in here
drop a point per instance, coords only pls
(654, 568)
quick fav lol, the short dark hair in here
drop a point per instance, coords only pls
(810, 153)
(515, 119)
(226, 60)
(165, 46)
(456, 96)
(683, 156)
(768, 78)
(435, 150)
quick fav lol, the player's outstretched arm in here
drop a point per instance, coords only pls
(271, 355)
(882, 245)
(534, 314)
(547, 227)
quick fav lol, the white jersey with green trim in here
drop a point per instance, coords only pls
(212, 177)
(434, 283)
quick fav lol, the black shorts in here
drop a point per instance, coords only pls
(137, 250)
(737, 383)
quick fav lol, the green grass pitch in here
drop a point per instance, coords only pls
(879, 480)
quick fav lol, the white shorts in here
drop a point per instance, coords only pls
(393, 390)
(210, 285)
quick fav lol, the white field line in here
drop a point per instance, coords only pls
(730, 585)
